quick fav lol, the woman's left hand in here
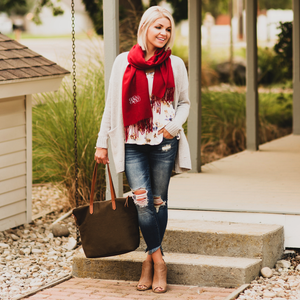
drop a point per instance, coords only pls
(165, 133)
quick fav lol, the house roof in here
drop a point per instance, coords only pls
(19, 62)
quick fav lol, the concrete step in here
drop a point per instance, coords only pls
(260, 241)
(189, 269)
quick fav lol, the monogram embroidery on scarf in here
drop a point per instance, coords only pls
(134, 99)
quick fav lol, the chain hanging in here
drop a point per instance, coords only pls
(75, 114)
(74, 101)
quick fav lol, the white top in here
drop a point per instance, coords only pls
(162, 114)
(112, 125)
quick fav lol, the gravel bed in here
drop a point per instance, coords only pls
(48, 197)
(30, 255)
(283, 282)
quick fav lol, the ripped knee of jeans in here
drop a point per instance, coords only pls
(140, 197)
(158, 202)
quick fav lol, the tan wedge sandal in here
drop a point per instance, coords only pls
(159, 284)
(145, 281)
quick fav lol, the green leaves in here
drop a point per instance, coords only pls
(20, 7)
(56, 10)
(284, 48)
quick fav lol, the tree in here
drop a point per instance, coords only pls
(180, 9)
(95, 10)
(284, 48)
(275, 4)
(215, 7)
(22, 7)
(56, 10)
(14, 7)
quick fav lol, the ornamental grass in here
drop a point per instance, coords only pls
(53, 133)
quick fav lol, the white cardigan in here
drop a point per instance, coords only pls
(112, 120)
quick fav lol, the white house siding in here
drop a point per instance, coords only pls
(13, 157)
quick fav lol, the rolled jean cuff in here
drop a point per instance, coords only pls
(155, 249)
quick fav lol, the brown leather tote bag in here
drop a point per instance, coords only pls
(108, 227)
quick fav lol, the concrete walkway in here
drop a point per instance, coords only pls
(85, 288)
(265, 181)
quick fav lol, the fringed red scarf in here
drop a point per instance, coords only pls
(135, 95)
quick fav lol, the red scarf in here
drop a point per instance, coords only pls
(135, 95)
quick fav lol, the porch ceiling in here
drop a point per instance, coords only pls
(266, 181)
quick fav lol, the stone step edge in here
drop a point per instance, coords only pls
(179, 258)
(186, 269)
(221, 227)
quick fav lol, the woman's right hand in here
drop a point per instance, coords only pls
(101, 156)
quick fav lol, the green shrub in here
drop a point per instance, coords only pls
(223, 121)
(284, 48)
(268, 64)
(277, 109)
(53, 133)
(276, 65)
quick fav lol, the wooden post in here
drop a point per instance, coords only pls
(111, 50)
(28, 106)
(231, 75)
(252, 120)
(194, 120)
(296, 67)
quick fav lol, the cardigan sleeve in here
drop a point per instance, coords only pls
(114, 81)
(183, 105)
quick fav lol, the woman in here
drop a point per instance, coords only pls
(146, 105)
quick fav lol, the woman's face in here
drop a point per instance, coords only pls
(158, 34)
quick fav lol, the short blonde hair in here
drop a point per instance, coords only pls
(150, 16)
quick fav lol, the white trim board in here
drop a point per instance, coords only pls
(30, 86)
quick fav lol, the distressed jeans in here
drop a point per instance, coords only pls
(148, 170)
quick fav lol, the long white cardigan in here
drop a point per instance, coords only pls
(112, 120)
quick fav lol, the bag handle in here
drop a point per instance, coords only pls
(112, 188)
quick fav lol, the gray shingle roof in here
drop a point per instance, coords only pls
(19, 62)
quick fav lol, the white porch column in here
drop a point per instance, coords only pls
(252, 120)
(296, 67)
(111, 50)
(194, 120)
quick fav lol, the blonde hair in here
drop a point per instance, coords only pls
(150, 16)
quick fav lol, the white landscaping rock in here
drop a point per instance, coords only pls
(14, 237)
(284, 264)
(72, 243)
(268, 294)
(266, 272)
(37, 251)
